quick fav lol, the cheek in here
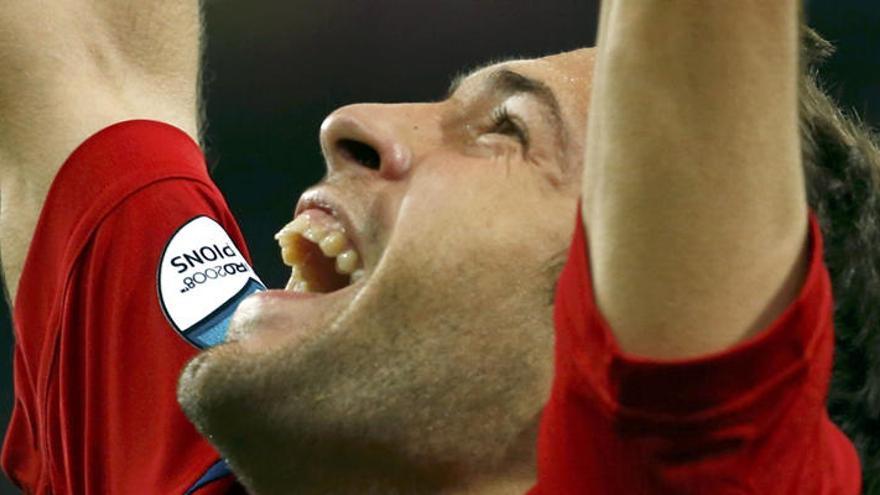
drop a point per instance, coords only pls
(497, 147)
(498, 214)
(473, 188)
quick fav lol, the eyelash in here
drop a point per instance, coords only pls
(508, 125)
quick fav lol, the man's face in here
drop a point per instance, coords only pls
(438, 361)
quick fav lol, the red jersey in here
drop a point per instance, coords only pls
(135, 263)
(748, 420)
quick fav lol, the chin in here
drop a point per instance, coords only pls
(215, 397)
(204, 393)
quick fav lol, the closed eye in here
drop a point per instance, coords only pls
(509, 125)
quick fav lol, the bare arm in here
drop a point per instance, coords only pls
(693, 190)
(68, 70)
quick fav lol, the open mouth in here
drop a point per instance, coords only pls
(321, 256)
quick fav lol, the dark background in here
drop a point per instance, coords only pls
(275, 68)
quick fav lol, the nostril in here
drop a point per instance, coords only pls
(359, 152)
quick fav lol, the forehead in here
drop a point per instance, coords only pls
(564, 68)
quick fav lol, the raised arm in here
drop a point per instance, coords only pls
(693, 191)
(69, 70)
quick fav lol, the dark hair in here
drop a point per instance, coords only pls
(842, 169)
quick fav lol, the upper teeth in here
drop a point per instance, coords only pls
(330, 237)
(333, 243)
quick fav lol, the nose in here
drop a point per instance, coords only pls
(364, 137)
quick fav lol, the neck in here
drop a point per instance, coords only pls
(353, 480)
(515, 481)
(361, 470)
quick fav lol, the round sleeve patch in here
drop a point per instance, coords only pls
(202, 277)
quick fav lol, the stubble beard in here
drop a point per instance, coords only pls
(427, 380)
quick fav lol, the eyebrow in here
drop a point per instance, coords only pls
(508, 83)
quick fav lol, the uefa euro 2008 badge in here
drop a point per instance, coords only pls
(202, 278)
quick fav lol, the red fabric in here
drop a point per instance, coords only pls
(749, 420)
(96, 363)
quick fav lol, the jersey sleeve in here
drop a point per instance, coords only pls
(131, 420)
(135, 264)
(748, 420)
